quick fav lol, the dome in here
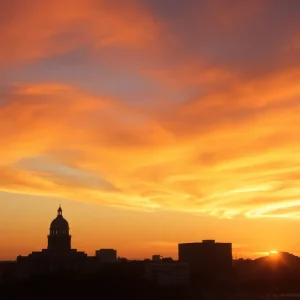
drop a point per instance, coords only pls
(59, 223)
(59, 238)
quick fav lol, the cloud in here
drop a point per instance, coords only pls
(39, 30)
(218, 136)
(152, 167)
(76, 130)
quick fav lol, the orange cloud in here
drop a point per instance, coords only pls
(38, 30)
(188, 159)
(228, 147)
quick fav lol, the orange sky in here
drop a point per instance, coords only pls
(152, 122)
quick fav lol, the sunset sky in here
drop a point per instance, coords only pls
(152, 122)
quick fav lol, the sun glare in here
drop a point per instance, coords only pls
(272, 252)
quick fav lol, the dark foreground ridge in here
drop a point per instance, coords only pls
(107, 284)
(126, 280)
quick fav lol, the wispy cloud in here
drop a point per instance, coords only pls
(218, 135)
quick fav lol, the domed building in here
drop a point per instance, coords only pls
(59, 256)
(59, 238)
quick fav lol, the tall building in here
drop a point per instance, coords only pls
(207, 258)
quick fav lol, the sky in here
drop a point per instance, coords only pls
(152, 123)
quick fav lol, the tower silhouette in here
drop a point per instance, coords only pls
(59, 238)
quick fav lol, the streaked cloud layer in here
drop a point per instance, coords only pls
(153, 105)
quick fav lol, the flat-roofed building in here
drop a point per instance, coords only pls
(106, 255)
(207, 258)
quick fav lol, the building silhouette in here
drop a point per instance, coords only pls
(59, 255)
(106, 255)
(59, 238)
(207, 259)
(204, 266)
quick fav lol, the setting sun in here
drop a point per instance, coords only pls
(272, 252)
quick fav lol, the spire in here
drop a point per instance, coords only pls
(59, 211)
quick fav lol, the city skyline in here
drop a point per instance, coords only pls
(152, 247)
(152, 122)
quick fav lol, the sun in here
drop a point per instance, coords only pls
(273, 252)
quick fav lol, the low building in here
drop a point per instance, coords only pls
(156, 257)
(168, 273)
(106, 255)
